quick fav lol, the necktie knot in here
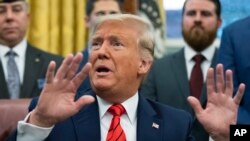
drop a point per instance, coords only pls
(116, 110)
(115, 132)
(11, 53)
(199, 58)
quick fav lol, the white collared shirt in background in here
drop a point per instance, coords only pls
(208, 53)
(20, 50)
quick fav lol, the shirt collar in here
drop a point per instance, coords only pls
(130, 105)
(19, 49)
(208, 53)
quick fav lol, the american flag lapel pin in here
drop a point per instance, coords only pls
(155, 125)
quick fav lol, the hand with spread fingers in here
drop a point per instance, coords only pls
(221, 109)
(57, 100)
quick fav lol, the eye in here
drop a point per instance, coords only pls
(100, 13)
(190, 13)
(17, 8)
(2, 10)
(206, 13)
(117, 44)
(96, 44)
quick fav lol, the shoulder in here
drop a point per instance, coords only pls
(170, 114)
(43, 54)
(169, 111)
(169, 58)
(238, 25)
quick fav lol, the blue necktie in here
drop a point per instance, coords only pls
(13, 79)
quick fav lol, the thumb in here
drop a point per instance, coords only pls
(84, 100)
(195, 104)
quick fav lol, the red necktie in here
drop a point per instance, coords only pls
(196, 80)
(116, 132)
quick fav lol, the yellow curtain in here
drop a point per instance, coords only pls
(57, 26)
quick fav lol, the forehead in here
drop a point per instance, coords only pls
(123, 29)
(12, 4)
(200, 5)
(106, 5)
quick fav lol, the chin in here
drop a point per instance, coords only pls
(101, 86)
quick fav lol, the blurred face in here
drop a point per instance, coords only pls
(200, 24)
(13, 22)
(117, 65)
(102, 8)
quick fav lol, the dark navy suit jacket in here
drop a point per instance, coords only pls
(235, 55)
(174, 124)
(168, 83)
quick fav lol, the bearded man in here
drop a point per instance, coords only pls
(175, 77)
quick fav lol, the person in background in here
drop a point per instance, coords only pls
(94, 10)
(234, 54)
(174, 77)
(22, 66)
(114, 108)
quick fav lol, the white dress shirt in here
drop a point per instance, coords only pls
(29, 132)
(20, 50)
(208, 53)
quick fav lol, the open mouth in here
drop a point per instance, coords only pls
(102, 69)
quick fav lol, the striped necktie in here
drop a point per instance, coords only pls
(116, 132)
(13, 79)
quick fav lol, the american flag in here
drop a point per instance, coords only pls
(150, 10)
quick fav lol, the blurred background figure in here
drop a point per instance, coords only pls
(175, 77)
(23, 66)
(234, 54)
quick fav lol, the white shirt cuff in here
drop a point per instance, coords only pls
(30, 132)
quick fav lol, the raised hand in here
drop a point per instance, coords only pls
(221, 109)
(57, 100)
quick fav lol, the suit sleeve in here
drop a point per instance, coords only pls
(227, 56)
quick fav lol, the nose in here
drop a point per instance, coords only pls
(198, 17)
(103, 51)
(9, 14)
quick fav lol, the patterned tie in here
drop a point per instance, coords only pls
(196, 80)
(116, 132)
(13, 79)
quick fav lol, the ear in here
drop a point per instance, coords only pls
(144, 66)
(219, 22)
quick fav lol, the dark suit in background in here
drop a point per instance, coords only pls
(168, 83)
(234, 54)
(36, 63)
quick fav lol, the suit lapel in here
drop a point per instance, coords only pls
(179, 67)
(149, 126)
(87, 123)
(33, 65)
(3, 85)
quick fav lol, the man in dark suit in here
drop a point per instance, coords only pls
(31, 62)
(121, 55)
(234, 55)
(169, 79)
